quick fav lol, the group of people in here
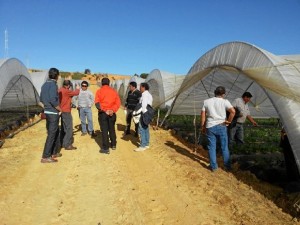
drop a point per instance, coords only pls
(57, 103)
(225, 129)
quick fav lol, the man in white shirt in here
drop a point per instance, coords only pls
(146, 101)
(214, 124)
(236, 133)
(85, 102)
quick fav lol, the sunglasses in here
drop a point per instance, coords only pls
(83, 85)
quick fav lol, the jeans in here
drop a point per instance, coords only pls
(52, 144)
(107, 125)
(236, 134)
(218, 132)
(66, 129)
(86, 114)
(145, 135)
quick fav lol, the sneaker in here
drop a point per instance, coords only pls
(113, 147)
(48, 160)
(93, 134)
(71, 147)
(140, 149)
(83, 134)
(56, 155)
(147, 146)
(104, 151)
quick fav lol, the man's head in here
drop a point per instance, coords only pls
(84, 85)
(220, 91)
(246, 97)
(67, 83)
(144, 87)
(53, 73)
(132, 85)
(105, 81)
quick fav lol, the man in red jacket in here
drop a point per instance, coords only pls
(65, 96)
(107, 102)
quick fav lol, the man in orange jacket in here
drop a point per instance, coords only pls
(107, 102)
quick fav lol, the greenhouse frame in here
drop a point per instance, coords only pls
(239, 67)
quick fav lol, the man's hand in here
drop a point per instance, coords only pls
(109, 112)
(227, 123)
(203, 130)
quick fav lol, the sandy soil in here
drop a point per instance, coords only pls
(166, 184)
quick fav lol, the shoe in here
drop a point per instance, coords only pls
(93, 134)
(83, 134)
(140, 149)
(125, 133)
(71, 147)
(56, 155)
(48, 160)
(104, 151)
(147, 146)
(228, 169)
(113, 147)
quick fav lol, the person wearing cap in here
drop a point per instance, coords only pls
(236, 133)
(65, 96)
(132, 100)
(214, 125)
(85, 100)
(50, 100)
(108, 102)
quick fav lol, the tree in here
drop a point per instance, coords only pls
(87, 71)
(144, 75)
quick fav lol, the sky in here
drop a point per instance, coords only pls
(136, 36)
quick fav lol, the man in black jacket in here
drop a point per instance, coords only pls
(132, 100)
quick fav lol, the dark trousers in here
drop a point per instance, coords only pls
(107, 125)
(128, 122)
(66, 129)
(52, 144)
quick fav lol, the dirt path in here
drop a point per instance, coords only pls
(167, 184)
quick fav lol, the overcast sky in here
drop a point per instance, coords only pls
(137, 36)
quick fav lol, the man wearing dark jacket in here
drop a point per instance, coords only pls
(132, 100)
(50, 99)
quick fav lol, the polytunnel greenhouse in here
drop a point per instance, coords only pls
(163, 86)
(239, 67)
(18, 96)
(122, 89)
(16, 88)
(117, 85)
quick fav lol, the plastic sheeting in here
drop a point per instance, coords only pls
(122, 89)
(239, 67)
(117, 84)
(163, 86)
(16, 87)
(38, 79)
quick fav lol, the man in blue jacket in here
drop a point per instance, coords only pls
(50, 99)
